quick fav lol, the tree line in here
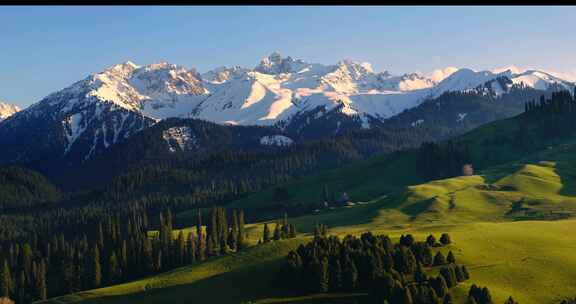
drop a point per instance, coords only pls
(112, 249)
(389, 272)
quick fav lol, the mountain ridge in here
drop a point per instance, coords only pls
(105, 108)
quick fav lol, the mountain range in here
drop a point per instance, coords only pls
(300, 100)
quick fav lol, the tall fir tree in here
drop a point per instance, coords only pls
(6, 283)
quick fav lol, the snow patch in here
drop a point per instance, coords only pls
(74, 126)
(417, 123)
(461, 117)
(180, 139)
(276, 140)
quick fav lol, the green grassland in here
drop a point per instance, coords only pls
(525, 252)
(512, 225)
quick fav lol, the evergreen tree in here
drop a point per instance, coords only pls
(6, 284)
(113, 269)
(322, 276)
(277, 234)
(292, 231)
(192, 250)
(407, 297)
(241, 231)
(450, 258)
(95, 270)
(439, 259)
(510, 300)
(465, 273)
(40, 283)
(210, 250)
(449, 275)
(350, 275)
(431, 240)
(266, 234)
(233, 234)
(285, 228)
(445, 239)
(439, 285)
(199, 223)
(202, 247)
(335, 276)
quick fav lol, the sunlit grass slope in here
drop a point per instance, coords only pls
(519, 252)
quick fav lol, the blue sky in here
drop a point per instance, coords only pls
(44, 49)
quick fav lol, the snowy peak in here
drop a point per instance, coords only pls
(109, 106)
(156, 80)
(223, 74)
(7, 110)
(407, 82)
(464, 79)
(511, 69)
(441, 74)
(276, 64)
(540, 80)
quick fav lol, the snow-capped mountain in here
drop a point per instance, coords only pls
(105, 108)
(7, 110)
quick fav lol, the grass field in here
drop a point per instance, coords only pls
(527, 252)
(526, 259)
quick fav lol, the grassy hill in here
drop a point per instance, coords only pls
(515, 253)
(511, 224)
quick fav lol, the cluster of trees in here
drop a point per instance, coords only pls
(21, 188)
(223, 232)
(282, 230)
(551, 117)
(372, 263)
(442, 160)
(481, 295)
(109, 248)
(568, 301)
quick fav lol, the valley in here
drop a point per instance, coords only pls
(154, 184)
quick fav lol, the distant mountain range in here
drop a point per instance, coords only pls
(300, 100)
(7, 110)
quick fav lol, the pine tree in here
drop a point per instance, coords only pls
(180, 249)
(113, 269)
(199, 223)
(233, 234)
(202, 247)
(407, 297)
(431, 240)
(335, 276)
(95, 270)
(322, 275)
(449, 275)
(510, 301)
(486, 298)
(192, 250)
(450, 258)
(465, 272)
(277, 233)
(241, 230)
(445, 239)
(266, 234)
(350, 275)
(285, 228)
(149, 265)
(6, 284)
(439, 259)
(40, 283)
(210, 251)
(439, 285)
(292, 231)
